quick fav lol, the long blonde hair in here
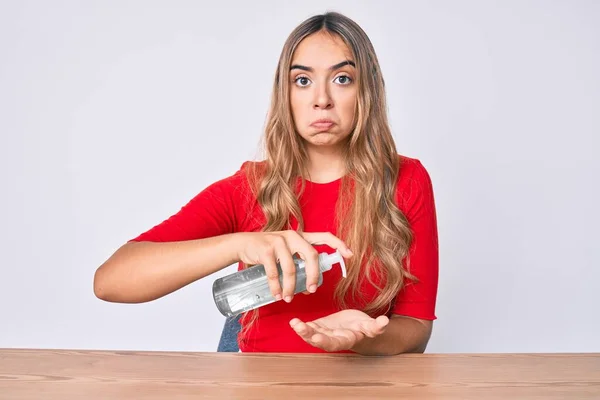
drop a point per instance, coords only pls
(368, 218)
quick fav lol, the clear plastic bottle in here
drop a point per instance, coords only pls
(248, 289)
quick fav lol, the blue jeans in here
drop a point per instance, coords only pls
(229, 335)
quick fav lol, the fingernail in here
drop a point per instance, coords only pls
(312, 288)
(350, 252)
(278, 297)
(288, 299)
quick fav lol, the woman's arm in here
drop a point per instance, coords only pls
(194, 242)
(402, 335)
(144, 271)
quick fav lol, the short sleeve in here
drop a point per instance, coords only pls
(416, 199)
(212, 212)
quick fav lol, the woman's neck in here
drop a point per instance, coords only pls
(325, 165)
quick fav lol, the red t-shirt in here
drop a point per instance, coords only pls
(229, 206)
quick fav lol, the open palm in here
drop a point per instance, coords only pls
(339, 331)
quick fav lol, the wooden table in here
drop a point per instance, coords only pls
(66, 374)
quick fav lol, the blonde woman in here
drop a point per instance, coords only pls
(331, 179)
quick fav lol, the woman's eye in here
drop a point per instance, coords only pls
(344, 79)
(302, 81)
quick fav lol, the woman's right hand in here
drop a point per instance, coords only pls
(268, 248)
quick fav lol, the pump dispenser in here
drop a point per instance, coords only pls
(326, 262)
(248, 289)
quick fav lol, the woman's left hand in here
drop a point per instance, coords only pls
(340, 331)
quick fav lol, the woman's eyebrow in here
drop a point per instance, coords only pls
(332, 68)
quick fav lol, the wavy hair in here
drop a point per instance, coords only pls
(368, 218)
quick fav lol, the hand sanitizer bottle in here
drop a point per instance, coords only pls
(248, 289)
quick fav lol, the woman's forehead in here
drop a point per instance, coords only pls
(321, 51)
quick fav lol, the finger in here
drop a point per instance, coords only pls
(310, 336)
(382, 321)
(333, 339)
(332, 342)
(325, 338)
(308, 333)
(324, 342)
(374, 327)
(329, 239)
(268, 260)
(349, 335)
(317, 328)
(311, 260)
(303, 330)
(288, 269)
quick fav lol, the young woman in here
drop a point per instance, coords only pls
(331, 179)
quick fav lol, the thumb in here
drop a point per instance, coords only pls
(375, 327)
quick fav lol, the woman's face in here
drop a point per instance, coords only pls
(323, 87)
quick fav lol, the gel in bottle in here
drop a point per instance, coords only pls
(248, 289)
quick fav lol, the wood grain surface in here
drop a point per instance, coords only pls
(73, 374)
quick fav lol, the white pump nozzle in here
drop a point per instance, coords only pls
(326, 262)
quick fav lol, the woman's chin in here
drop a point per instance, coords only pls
(323, 139)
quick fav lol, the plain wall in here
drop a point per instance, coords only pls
(114, 114)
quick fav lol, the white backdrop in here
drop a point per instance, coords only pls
(114, 114)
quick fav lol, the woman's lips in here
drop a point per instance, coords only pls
(322, 124)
